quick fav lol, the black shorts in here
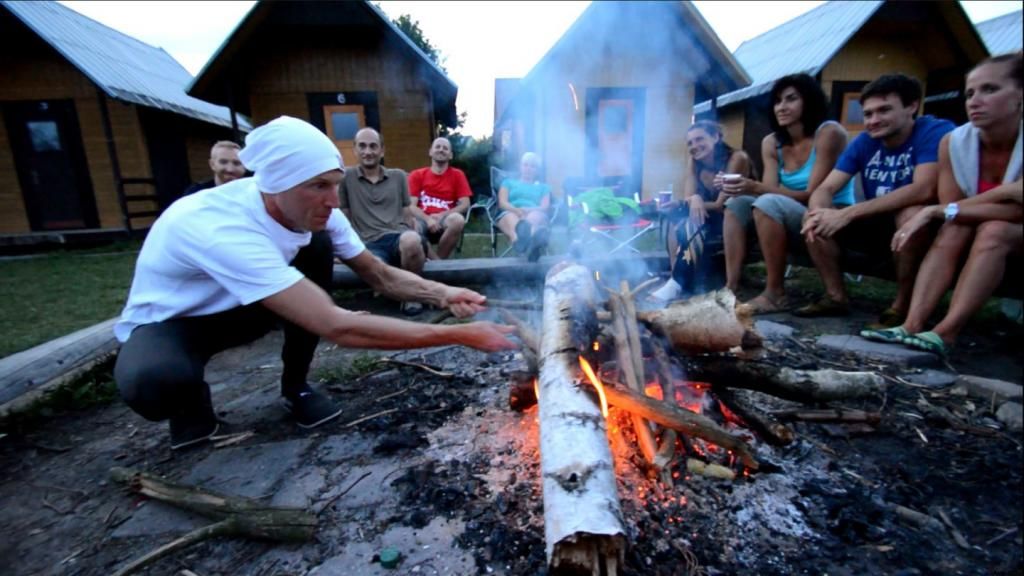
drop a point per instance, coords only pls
(427, 235)
(871, 236)
(386, 248)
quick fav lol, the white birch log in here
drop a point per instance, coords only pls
(706, 323)
(583, 525)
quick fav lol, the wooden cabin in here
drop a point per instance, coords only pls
(98, 134)
(845, 45)
(610, 102)
(339, 65)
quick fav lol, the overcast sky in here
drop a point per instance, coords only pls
(480, 41)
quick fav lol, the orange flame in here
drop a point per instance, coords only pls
(597, 345)
(536, 389)
(596, 383)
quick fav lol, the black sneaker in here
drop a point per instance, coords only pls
(523, 237)
(190, 430)
(311, 408)
(538, 245)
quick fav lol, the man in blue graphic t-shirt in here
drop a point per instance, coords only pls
(896, 158)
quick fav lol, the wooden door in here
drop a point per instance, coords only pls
(48, 155)
(341, 122)
(614, 153)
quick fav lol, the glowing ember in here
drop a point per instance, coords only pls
(596, 383)
(536, 389)
(597, 345)
(653, 389)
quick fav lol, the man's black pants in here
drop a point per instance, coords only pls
(159, 370)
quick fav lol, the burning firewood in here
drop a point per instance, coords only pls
(583, 527)
(706, 323)
(670, 416)
(764, 424)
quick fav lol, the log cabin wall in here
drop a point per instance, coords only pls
(283, 80)
(559, 120)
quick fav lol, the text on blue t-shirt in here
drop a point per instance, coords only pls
(884, 169)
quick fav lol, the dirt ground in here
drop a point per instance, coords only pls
(444, 472)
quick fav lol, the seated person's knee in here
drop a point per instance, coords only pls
(455, 222)
(994, 235)
(410, 242)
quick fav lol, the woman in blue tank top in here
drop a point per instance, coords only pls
(798, 154)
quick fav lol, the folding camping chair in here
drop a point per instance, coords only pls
(622, 235)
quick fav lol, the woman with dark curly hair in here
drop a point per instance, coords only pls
(798, 154)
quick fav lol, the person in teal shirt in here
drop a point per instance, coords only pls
(798, 154)
(523, 208)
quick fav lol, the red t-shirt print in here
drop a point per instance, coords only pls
(438, 192)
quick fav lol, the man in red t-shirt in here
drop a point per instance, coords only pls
(441, 198)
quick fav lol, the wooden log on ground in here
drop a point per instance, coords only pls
(830, 415)
(235, 516)
(677, 418)
(764, 424)
(26, 376)
(583, 528)
(799, 385)
(705, 323)
(494, 271)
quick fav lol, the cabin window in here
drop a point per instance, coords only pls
(344, 125)
(852, 115)
(44, 135)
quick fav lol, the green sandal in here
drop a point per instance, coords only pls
(928, 342)
(895, 335)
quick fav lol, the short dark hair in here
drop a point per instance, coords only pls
(906, 87)
(722, 150)
(1014, 59)
(815, 104)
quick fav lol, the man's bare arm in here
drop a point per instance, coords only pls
(921, 190)
(307, 305)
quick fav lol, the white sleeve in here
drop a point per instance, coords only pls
(345, 240)
(248, 266)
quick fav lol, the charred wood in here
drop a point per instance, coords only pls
(739, 403)
(679, 419)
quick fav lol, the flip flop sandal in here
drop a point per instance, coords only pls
(928, 342)
(895, 335)
(764, 305)
(890, 318)
(823, 307)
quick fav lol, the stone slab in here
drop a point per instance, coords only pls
(347, 447)
(932, 378)
(249, 471)
(890, 353)
(433, 546)
(154, 518)
(773, 330)
(302, 489)
(986, 388)
(1011, 414)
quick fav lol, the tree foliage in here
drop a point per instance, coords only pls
(470, 155)
(411, 28)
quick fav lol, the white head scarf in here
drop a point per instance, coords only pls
(286, 152)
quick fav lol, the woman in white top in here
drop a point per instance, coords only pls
(980, 202)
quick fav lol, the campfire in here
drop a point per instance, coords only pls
(670, 380)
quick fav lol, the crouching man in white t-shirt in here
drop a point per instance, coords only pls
(222, 268)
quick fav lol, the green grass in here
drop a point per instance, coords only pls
(45, 297)
(349, 369)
